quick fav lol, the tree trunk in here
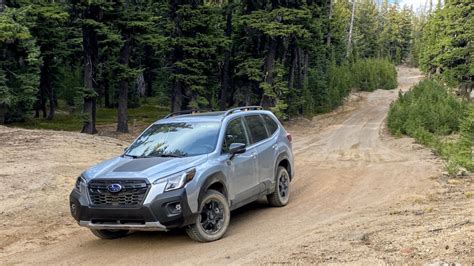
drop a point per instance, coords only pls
(89, 108)
(89, 38)
(328, 37)
(299, 65)
(101, 60)
(148, 74)
(226, 68)
(177, 54)
(46, 88)
(52, 103)
(349, 40)
(266, 100)
(272, 48)
(40, 103)
(122, 110)
(291, 76)
(304, 76)
(105, 84)
(305, 66)
(176, 96)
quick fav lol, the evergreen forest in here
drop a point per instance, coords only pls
(73, 64)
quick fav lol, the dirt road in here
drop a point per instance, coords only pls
(359, 195)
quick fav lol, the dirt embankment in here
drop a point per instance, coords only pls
(359, 195)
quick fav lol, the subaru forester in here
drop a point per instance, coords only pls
(189, 169)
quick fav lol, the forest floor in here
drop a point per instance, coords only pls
(359, 195)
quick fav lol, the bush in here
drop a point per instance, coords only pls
(428, 113)
(326, 90)
(428, 106)
(465, 146)
(371, 74)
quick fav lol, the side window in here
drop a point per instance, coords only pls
(257, 129)
(234, 133)
(272, 126)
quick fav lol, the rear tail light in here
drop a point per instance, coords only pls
(288, 136)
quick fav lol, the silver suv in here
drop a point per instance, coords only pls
(189, 169)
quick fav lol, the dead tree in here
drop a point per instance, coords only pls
(351, 26)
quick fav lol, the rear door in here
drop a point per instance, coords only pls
(243, 167)
(263, 143)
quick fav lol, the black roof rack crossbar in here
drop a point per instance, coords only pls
(185, 112)
(242, 108)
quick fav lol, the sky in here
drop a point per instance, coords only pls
(415, 3)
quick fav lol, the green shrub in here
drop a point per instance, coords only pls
(326, 90)
(339, 84)
(428, 113)
(428, 106)
(371, 74)
(465, 146)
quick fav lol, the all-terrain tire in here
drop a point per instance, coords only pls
(281, 194)
(109, 234)
(202, 230)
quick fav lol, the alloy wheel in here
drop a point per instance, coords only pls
(212, 216)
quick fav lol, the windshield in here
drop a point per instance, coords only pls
(176, 140)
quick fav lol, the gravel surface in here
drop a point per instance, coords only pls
(359, 196)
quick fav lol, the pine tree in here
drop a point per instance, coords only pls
(136, 23)
(367, 30)
(19, 65)
(44, 19)
(89, 16)
(396, 33)
(446, 42)
(197, 43)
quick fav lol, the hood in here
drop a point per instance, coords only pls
(151, 168)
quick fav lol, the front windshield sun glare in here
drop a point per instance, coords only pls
(178, 139)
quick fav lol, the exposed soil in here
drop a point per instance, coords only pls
(359, 195)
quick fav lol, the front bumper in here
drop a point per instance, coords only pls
(159, 214)
(147, 226)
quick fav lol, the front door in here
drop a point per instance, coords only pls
(243, 180)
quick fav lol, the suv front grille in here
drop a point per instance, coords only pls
(132, 194)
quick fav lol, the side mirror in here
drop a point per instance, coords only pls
(236, 148)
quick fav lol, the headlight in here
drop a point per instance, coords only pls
(177, 180)
(79, 181)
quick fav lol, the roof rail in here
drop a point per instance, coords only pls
(242, 108)
(185, 112)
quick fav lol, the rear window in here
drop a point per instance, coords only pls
(256, 127)
(272, 126)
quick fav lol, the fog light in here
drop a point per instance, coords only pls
(174, 208)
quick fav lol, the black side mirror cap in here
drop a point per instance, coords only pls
(236, 148)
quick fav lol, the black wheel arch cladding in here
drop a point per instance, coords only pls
(215, 180)
(282, 160)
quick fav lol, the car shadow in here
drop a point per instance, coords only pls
(238, 217)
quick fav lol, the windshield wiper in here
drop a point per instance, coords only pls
(157, 155)
(170, 155)
(138, 156)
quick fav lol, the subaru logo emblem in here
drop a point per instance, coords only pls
(114, 188)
